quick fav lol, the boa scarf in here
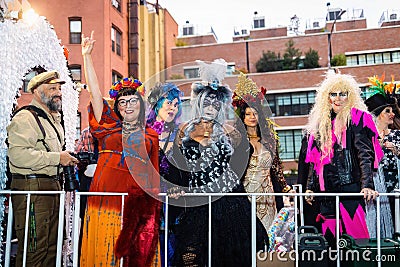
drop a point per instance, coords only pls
(359, 119)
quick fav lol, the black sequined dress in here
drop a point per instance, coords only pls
(208, 171)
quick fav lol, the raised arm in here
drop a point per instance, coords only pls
(96, 97)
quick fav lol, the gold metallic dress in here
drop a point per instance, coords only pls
(258, 180)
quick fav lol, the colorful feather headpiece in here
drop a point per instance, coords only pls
(126, 83)
(381, 87)
(247, 92)
(211, 76)
(380, 94)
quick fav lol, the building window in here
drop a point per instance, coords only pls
(115, 76)
(370, 59)
(386, 57)
(373, 58)
(362, 59)
(259, 22)
(396, 56)
(291, 104)
(188, 30)
(333, 15)
(116, 4)
(351, 61)
(116, 37)
(75, 30)
(378, 58)
(191, 73)
(290, 143)
(76, 72)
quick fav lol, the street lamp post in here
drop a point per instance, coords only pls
(330, 37)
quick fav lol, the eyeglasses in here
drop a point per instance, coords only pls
(338, 94)
(132, 101)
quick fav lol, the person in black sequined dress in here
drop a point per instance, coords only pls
(202, 156)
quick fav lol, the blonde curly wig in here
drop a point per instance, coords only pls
(319, 122)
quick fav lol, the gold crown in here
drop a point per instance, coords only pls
(246, 86)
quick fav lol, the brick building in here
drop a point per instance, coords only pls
(133, 38)
(139, 38)
(368, 51)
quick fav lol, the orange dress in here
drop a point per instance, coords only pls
(103, 217)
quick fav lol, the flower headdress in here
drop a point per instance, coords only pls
(247, 92)
(211, 76)
(126, 83)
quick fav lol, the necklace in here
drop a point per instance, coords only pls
(384, 132)
(207, 129)
(129, 127)
(252, 135)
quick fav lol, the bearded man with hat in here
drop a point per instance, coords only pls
(36, 141)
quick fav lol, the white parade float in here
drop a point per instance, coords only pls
(28, 42)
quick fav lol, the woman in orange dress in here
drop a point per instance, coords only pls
(125, 149)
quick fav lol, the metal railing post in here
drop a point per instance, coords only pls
(378, 230)
(253, 231)
(296, 229)
(60, 229)
(166, 231)
(337, 211)
(9, 233)
(77, 228)
(28, 203)
(209, 230)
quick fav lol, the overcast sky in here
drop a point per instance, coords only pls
(225, 15)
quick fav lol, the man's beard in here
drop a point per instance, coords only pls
(50, 103)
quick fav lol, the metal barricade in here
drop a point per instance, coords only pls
(298, 202)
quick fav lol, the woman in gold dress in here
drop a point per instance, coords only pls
(264, 172)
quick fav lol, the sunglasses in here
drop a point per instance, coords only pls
(132, 101)
(338, 94)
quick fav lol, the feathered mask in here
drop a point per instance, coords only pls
(247, 92)
(126, 83)
(211, 75)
